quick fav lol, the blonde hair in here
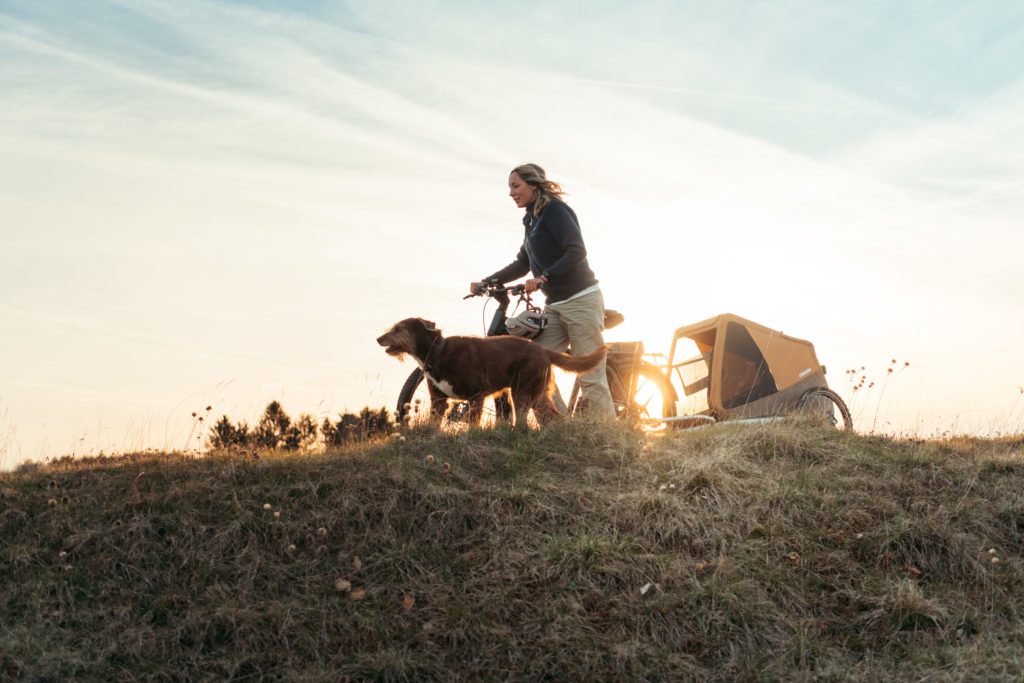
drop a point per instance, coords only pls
(547, 190)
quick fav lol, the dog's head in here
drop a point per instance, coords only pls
(412, 336)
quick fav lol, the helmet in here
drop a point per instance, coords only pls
(527, 324)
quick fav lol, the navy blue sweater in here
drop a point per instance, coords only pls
(552, 247)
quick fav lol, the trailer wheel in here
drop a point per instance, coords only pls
(823, 402)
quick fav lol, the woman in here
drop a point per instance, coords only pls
(553, 252)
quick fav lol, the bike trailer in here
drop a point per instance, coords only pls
(745, 370)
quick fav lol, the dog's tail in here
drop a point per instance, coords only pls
(577, 364)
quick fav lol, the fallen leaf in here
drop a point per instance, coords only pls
(357, 563)
(408, 602)
(343, 585)
(357, 594)
(644, 589)
(913, 570)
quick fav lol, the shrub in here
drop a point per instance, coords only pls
(227, 435)
(276, 430)
(350, 427)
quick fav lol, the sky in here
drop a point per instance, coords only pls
(224, 203)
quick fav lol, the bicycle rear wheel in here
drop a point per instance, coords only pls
(653, 399)
(414, 407)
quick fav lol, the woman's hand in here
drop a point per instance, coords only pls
(533, 284)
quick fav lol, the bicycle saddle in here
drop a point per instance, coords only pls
(612, 318)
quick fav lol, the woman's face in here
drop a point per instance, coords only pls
(520, 191)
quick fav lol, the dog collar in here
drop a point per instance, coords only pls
(437, 347)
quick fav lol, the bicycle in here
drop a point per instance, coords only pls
(640, 392)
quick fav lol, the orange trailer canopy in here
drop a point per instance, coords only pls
(749, 361)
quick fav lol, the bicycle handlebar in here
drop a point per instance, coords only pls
(485, 289)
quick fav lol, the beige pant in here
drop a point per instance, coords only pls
(577, 325)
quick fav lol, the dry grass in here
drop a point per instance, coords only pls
(581, 552)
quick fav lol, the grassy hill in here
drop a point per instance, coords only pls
(772, 552)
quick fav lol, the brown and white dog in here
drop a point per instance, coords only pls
(473, 368)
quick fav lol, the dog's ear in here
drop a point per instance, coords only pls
(430, 326)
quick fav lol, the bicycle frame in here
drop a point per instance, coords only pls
(622, 380)
(497, 327)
